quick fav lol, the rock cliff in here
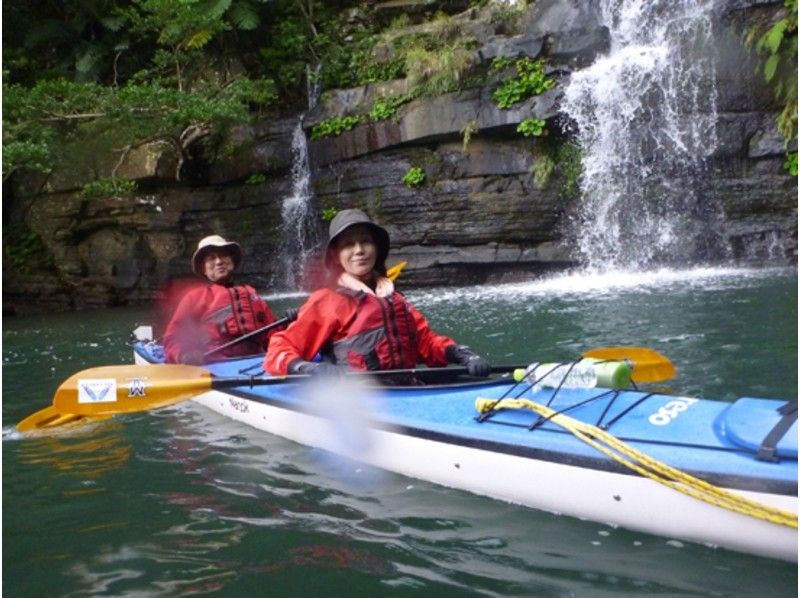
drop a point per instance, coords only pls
(484, 213)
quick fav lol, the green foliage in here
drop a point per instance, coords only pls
(24, 249)
(108, 187)
(46, 39)
(303, 37)
(791, 163)
(542, 170)
(34, 156)
(439, 70)
(562, 159)
(335, 126)
(500, 63)
(328, 213)
(532, 127)
(257, 178)
(384, 108)
(414, 177)
(530, 81)
(436, 59)
(355, 64)
(467, 132)
(568, 162)
(41, 123)
(508, 15)
(778, 47)
(134, 70)
(400, 22)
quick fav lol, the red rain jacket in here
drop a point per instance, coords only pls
(212, 315)
(362, 330)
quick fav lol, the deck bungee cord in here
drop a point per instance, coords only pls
(532, 382)
(603, 441)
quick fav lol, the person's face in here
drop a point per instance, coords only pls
(217, 265)
(357, 251)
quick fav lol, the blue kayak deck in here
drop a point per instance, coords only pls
(715, 440)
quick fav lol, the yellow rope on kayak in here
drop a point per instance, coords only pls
(646, 465)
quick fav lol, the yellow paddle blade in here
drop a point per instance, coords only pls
(393, 272)
(50, 417)
(648, 365)
(128, 388)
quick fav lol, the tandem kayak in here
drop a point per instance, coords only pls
(718, 473)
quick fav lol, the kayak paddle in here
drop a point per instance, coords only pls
(114, 389)
(235, 341)
(109, 390)
(393, 272)
(50, 417)
(648, 365)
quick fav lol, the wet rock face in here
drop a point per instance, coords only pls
(494, 205)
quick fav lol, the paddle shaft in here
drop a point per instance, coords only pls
(236, 381)
(235, 341)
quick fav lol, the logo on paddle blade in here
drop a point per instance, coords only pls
(137, 388)
(97, 391)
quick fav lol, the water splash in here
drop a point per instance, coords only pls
(646, 115)
(605, 285)
(297, 214)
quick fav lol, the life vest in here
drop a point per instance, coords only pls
(235, 310)
(381, 336)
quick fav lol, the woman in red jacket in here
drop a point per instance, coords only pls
(360, 321)
(219, 312)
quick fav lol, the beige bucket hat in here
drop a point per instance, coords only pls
(210, 242)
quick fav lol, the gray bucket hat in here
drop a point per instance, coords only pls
(344, 220)
(206, 244)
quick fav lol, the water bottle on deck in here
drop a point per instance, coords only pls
(586, 373)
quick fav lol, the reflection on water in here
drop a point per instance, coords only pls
(89, 452)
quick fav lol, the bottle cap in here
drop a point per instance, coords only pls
(612, 374)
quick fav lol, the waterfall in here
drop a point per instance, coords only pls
(298, 235)
(645, 116)
(297, 214)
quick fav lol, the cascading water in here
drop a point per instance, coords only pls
(298, 231)
(645, 115)
(298, 237)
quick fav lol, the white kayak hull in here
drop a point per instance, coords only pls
(581, 488)
(629, 501)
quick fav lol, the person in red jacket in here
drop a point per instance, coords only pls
(360, 321)
(219, 312)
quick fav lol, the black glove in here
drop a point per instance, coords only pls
(475, 364)
(315, 368)
(291, 314)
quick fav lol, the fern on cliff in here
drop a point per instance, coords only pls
(778, 47)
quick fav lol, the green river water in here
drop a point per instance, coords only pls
(184, 502)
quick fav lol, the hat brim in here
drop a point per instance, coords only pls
(379, 235)
(199, 256)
